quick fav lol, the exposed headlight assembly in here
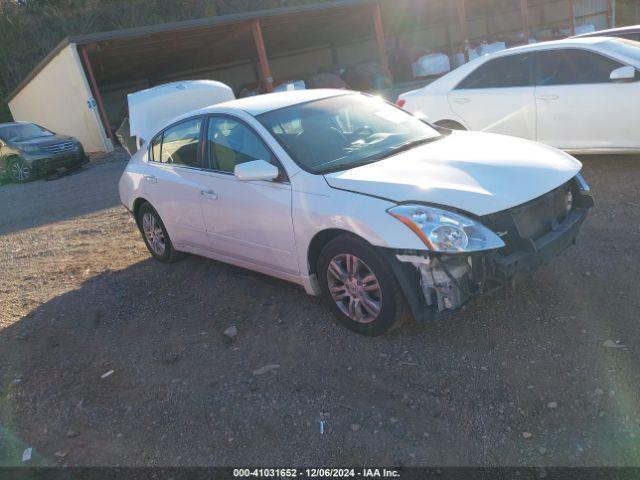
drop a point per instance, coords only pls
(446, 232)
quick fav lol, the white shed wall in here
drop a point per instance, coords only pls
(59, 98)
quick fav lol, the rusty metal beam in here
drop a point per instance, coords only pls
(262, 56)
(96, 94)
(524, 12)
(380, 41)
(610, 14)
(462, 28)
(572, 18)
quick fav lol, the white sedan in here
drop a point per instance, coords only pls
(581, 95)
(354, 199)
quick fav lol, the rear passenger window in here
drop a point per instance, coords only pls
(573, 67)
(502, 72)
(178, 145)
(156, 146)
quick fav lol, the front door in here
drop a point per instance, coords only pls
(498, 97)
(579, 107)
(247, 220)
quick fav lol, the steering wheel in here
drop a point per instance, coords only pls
(363, 132)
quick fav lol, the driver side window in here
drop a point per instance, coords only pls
(571, 66)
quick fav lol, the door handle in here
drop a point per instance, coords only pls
(151, 178)
(549, 97)
(461, 100)
(209, 194)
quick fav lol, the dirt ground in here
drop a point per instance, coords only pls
(549, 376)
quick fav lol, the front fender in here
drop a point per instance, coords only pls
(358, 214)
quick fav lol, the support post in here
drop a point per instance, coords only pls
(524, 12)
(380, 41)
(262, 56)
(462, 28)
(609, 14)
(96, 94)
(572, 18)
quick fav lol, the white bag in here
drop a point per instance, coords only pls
(486, 48)
(429, 65)
(457, 59)
(290, 85)
(589, 28)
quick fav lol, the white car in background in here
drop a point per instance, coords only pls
(355, 199)
(580, 94)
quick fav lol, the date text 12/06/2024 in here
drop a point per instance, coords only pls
(316, 473)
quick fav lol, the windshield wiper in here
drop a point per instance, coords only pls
(391, 151)
(406, 146)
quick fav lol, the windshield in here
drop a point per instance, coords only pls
(342, 132)
(22, 131)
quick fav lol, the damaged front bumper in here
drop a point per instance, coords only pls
(437, 284)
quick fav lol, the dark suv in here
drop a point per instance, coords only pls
(28, 150)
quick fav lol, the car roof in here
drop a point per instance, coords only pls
(268, 102)
(629, 29)
(565, 42)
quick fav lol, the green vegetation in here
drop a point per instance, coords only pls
(31, 28)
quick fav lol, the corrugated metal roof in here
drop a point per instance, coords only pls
(117, 41)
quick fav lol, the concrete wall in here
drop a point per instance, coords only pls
(58, 98)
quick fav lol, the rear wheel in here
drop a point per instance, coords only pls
(359, 287)
(20, 171)
(155, 235)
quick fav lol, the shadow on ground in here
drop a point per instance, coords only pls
(41, 202)
(132, 367)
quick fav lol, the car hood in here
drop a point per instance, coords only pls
(479, 173)
(45, 141)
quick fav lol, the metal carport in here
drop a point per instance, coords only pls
(80, 87)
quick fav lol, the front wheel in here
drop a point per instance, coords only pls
(155, 235)
(359, 287)
(20, 171)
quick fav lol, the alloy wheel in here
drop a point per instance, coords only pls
(20, 171)
(355, 288)
(154, 233)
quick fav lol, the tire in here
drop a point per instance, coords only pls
(19, 171)
(155, 235)
(352, 299)
(450, 124)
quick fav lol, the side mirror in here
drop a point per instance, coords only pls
(623, 73)
(256, 170)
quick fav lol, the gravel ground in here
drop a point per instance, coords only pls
(109, 358)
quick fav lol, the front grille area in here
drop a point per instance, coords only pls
(520, 226)
(60, 147)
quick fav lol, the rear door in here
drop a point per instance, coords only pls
(172, 181)
(579, 107)
(498, 97)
